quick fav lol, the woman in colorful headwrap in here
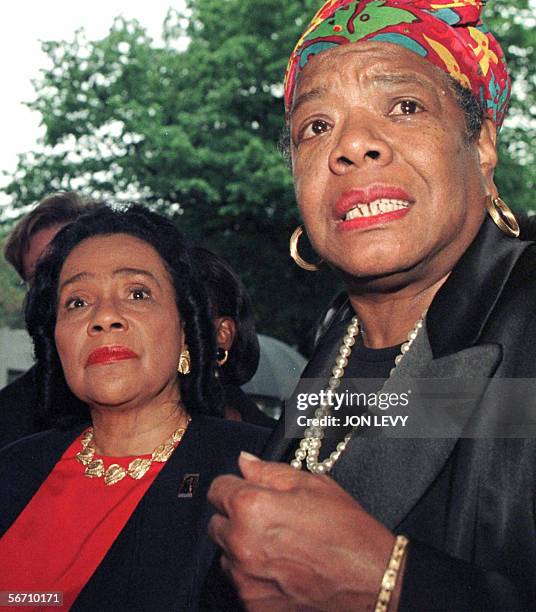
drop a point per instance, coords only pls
(393, 109)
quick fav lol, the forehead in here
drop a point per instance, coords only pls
(106, 253)
(361, 64)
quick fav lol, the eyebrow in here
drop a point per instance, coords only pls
(312, 94)
(119, 272)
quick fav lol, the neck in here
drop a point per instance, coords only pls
(387, 318)
(138, 431)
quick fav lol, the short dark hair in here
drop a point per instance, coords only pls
(473, 112)
(228, 298)
(58, 209)
(200, 390)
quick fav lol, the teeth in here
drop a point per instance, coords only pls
(374, 208)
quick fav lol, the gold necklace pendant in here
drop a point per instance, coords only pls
(137, 468)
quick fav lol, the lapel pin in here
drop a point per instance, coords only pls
(188, 485)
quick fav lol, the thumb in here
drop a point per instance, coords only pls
(268, 473)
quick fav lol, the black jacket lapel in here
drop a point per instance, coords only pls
(461, 308)
(387, 474)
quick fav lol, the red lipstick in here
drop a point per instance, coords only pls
(108, 354)
(373, 193)
(360, 222)
(350, 199)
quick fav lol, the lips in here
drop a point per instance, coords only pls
(375, 204)
(109, 354)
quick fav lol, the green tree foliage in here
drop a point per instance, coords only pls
(193, 132)
(514, 25)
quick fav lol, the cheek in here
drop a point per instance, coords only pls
(166, 339)
(68, 352)
(65, 343)
(308, 188)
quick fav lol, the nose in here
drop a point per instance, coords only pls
(106, 317)
(359, 144)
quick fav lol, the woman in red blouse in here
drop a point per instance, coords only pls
(112, 514)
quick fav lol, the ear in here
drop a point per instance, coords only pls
(225, 332)
(487, 153)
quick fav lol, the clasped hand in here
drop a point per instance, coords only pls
(294, 540)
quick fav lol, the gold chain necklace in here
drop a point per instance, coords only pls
(137, 468)
(309, 448)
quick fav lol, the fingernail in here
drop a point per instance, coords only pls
(248, 456)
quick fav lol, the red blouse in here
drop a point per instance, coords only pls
(62, 535)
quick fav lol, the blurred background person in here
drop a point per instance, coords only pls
(34, 232)
(114, 514)
(238, 348)
(26, 243)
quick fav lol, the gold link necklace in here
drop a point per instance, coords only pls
(137, 468)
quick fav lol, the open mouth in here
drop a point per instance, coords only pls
(376, 207)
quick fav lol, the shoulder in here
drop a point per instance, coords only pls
(233, 436)
(37, 453)
(24, 466)
(18, 409)
(248, 409)
(526, 263)
(520, 286)
(39, 447)
(23, 385)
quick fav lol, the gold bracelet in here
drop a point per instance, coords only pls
(391, 574)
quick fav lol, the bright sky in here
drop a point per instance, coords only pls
(22, 25)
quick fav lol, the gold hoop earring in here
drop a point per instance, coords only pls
(222, 356)
(185, 362)
(296, 234)
(502, 216)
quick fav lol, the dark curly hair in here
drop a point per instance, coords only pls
(200, 390)
(228, 298)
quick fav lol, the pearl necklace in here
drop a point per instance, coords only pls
(137, 468)
(311, 443)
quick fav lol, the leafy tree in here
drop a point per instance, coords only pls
(193, 132)
(514, 25)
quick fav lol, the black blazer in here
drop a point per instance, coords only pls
(19, 409)
(466, 503)
(160, 559)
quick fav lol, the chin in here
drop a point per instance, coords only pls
(108, 396)
(379, 268)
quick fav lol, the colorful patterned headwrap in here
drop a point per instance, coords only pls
(448, 33)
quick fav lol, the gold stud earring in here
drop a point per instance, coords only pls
(185, 362)
(502, 216)
(296, 256)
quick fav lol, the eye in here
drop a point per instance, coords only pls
(139, 293)
(75, 302)
(314, 128)
(407, 107)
